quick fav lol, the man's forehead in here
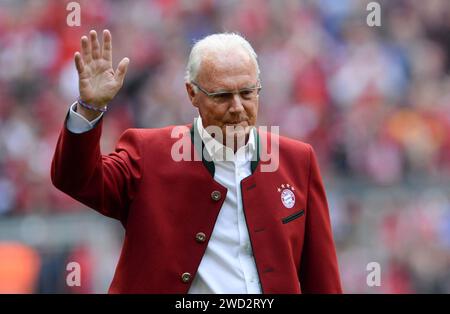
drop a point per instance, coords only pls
(224, 67)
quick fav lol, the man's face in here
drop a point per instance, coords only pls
(229, 72)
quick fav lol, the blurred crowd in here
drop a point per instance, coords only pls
(373, 101)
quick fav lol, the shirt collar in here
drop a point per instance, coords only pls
(219, 152)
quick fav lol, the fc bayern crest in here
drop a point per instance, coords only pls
(287, 195)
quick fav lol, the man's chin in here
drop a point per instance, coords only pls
(237, 132)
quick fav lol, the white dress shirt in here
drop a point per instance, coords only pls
(228, 265)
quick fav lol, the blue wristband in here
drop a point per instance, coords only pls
(87, 106)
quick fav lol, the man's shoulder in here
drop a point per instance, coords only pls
(149, 132)
(286, 144)
(167, 134)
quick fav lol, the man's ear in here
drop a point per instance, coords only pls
(191, 93)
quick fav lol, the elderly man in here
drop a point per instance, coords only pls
(213, 224)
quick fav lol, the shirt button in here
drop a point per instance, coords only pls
(200, 237)
(216, 195)
(186, 277)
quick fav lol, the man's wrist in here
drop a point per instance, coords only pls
(90, 115)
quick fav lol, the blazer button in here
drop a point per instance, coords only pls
(186, 277)
(216, 195)
(200, 237)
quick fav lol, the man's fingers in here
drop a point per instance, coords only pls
(79, 62)
(95, 45)
(119, 75)
(107, 45)
(86, 49)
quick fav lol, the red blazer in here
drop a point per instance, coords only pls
(164, 204)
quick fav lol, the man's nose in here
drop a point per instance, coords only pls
(236, 105)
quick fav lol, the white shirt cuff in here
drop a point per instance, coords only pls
(76, 123)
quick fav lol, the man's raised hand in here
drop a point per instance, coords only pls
(98, 82)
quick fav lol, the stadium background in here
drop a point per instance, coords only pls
(373, 101)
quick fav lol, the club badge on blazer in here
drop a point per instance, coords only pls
(287, 195)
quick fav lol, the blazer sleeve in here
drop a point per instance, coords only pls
(106, 183)
(319, 272)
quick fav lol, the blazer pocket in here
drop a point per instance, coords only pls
(293, 216)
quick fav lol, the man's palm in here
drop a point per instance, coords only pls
(98, 82)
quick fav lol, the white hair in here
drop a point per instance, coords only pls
(216, 43)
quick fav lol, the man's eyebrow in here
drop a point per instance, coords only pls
(222, 90)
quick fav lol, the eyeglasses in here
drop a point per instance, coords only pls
(249, 93)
